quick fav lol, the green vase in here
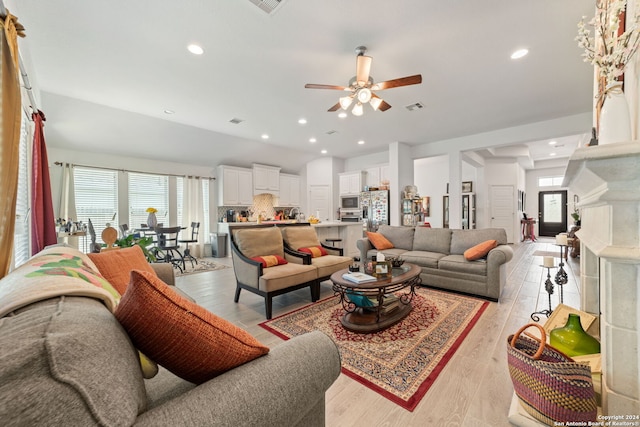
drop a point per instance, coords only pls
(572, 340)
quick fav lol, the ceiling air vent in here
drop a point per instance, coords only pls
(236, 121)
(415, 106)
(331, 132)
(267, 6)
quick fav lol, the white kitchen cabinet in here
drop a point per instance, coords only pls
(266, 179)
(289, 190)
(351, 182)
(377, 174)
(235, 186)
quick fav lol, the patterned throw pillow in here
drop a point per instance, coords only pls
(270, 260)
(315, 251)
(359, 299)
(116, 265)
(180, 335)
(379, 241)
(480, 250)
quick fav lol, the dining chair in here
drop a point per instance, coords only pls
(195, 228)
(124, 230)
(168, 247)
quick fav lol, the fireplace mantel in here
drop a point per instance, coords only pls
(607, 180)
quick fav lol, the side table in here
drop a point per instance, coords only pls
(528, 229)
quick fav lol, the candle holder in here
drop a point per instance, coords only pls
(548, 286)
(561, 276)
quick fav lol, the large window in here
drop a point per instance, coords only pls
(204, 226)
(21, 233)
(96, 194)
(180, 200)
(148, 191)
(550, 181)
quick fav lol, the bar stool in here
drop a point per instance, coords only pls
(331, 241)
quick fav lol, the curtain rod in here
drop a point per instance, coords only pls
(128, 170)
(25, 77)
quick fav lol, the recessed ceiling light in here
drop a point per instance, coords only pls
(552, 154)
(264, 136)
(553, 142)
(169, 112)
(302, 121)
(312, 140)
(361, 142)
(342, 114)
(324, 151)
(519, 53)
(195, 49)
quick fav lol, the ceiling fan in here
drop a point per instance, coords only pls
(362, 86)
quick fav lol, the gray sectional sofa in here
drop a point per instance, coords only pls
(439, 252)
(65, 360)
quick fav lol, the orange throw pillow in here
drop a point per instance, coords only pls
(185, 338)
(116, 265)
(315, 251)
(480, 250)
(270, 260)
(379, 241)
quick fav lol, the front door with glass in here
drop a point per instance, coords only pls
(552, 212)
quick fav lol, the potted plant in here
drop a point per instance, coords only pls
(143, 242)
(576, 217)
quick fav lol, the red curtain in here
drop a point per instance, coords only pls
(43, 224)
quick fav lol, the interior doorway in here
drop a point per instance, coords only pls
(552, 212)
(319, 203)
(503, 209)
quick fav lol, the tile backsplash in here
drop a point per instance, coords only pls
(262, 203)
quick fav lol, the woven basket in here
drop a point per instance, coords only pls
(550, 386)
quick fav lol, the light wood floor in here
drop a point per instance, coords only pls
(474, 389)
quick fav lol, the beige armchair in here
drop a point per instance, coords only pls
(297, 236)
(248, 242)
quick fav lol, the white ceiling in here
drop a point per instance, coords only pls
(107, 70)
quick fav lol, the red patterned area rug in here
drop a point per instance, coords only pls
(403, 361)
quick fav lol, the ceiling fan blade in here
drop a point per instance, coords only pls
(384, 106)
(315, 86)
(403, 81)
(363, 67)
(334, 108)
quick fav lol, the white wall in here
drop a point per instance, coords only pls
(366, 161)
(431, 176)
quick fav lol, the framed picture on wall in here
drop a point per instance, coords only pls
(520, 200)
(467, 186)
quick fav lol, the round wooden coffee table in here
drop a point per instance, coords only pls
(389, 309)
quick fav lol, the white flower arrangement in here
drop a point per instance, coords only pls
(607, 50)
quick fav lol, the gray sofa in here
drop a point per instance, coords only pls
(66, 360)
(439, 252)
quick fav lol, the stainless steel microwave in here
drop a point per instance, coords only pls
(350, 202)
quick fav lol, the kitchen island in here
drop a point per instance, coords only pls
(349, 232)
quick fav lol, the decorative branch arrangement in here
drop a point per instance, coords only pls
(614, 43)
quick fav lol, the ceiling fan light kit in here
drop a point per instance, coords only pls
(346, 101)
(362, 85)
